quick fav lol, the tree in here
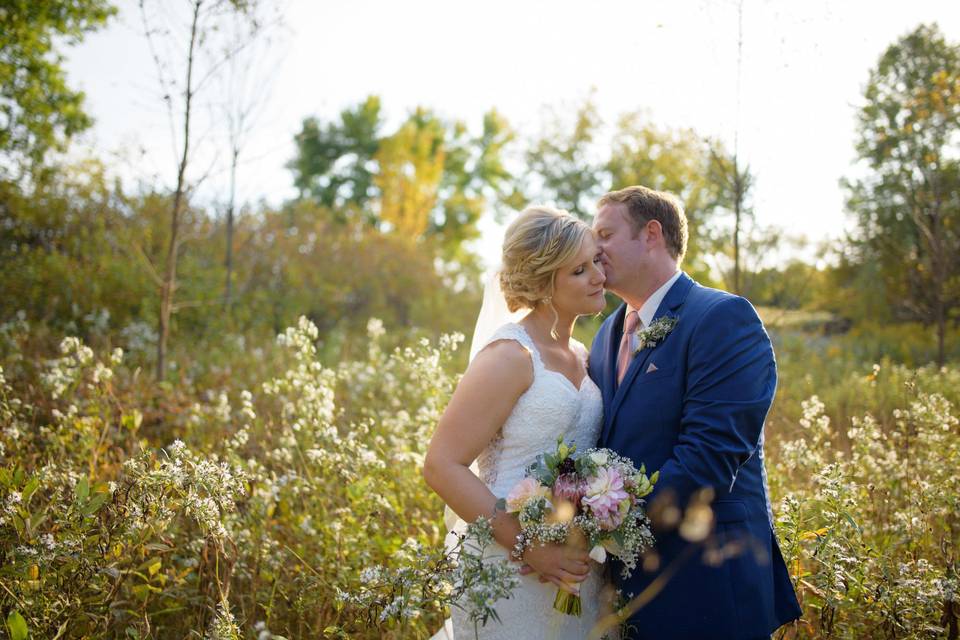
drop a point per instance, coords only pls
(734, 184)
(246, 92)
(411, 163)
(475, 179)
(907, 204)
(677, 161)
(563, 161)
(39, 112)
(335, 163)
(429, 179)
(181, 79)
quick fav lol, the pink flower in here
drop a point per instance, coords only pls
(523, 491)
(570, 488)
(606, 498)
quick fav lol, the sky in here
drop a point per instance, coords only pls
(803, 66)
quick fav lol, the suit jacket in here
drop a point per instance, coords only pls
(693, 406)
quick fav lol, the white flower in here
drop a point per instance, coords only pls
(177, 449)
(599, 457)
(599, 554)
(375, 328)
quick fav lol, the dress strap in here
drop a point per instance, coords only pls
(580, 350)
(516, 332)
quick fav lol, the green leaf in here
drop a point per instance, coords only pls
(19, 524)
(143, 591)
(29, 490)
(36, 520)
(17, 626)
(132, 421)
(83, 489)
(853, 522)
(94, 504)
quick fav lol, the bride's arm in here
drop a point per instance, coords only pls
(481, 403)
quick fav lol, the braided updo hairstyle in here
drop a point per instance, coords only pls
(536, 244)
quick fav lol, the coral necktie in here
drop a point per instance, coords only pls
(626, 344)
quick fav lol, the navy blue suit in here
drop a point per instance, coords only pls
(697, 415)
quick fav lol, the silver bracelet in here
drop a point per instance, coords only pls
(523, 543)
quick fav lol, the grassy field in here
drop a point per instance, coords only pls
(275, 490)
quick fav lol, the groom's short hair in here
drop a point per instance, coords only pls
(644, 205)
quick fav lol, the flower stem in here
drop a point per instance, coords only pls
(567, 603)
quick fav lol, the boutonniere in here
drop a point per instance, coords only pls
(655, 333)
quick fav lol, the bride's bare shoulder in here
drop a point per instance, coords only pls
(504, 360)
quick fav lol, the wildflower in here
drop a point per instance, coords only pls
(223, 626)
(375, 328)
(177, 450)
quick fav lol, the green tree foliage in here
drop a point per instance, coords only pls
(64, 251)
(678, 161)
(298, 261)
(39, 112)
(81, 252)
(474, 178)
(734, 184)
(334, 164)
(429, 178)
(564, 162)
(907, 206)
(411, 164)
(795, 285)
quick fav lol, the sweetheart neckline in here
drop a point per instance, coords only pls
(576, 388)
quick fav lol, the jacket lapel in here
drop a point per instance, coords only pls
(668, 308)
(611, 348)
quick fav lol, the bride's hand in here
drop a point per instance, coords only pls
(564, 565)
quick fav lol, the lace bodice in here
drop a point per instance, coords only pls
(551, 407)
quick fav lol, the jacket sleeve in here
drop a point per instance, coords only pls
(731, 381)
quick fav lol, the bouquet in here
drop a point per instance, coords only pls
(597, 496)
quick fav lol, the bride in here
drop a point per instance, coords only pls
(526, 385)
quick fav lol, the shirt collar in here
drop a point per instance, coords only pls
(649, 308)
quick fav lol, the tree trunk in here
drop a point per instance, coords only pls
(228, 289)
(737, 210)
(168, 288)
(941, 331)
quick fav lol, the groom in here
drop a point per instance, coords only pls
(687, 375)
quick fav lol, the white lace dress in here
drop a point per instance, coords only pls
(551, 407)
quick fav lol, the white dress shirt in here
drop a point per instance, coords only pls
(650, 307)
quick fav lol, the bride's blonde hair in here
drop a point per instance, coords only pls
(536, 244)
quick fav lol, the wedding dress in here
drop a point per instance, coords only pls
(550, 408)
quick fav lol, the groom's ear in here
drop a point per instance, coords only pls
(653, 232)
